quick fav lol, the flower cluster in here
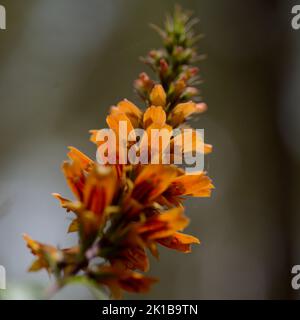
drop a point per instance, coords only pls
(122, 211)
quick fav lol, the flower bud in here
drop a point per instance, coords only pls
(201, 107)
(164, 67)
(158, 96)
(179, 87)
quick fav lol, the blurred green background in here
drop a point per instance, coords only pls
(64, 62)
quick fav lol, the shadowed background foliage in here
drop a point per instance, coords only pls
(64, 62)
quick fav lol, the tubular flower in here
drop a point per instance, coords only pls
(179, 241)
(46, 255)
(50, 258)
(197, 185)
(122, 211)
(152, 181)
(94, 191)
(183, 111)
(163, 225)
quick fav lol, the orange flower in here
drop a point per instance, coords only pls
(152, 181)
(94, 190)
(182, 111)
(114, 119)
(132, 112)
(196, 185)
(154, 115)
(50, 258)
(75, 177)
(124, 111)
(156, 140)
(163, 225)
(179, 241)
(189, 141)
(154, 226)
(99, 189)
(76, 155)
(46, 255)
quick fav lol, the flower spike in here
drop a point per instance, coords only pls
(122, 211)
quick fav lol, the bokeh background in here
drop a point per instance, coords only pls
(64, 62)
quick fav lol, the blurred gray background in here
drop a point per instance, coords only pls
(64, 62)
